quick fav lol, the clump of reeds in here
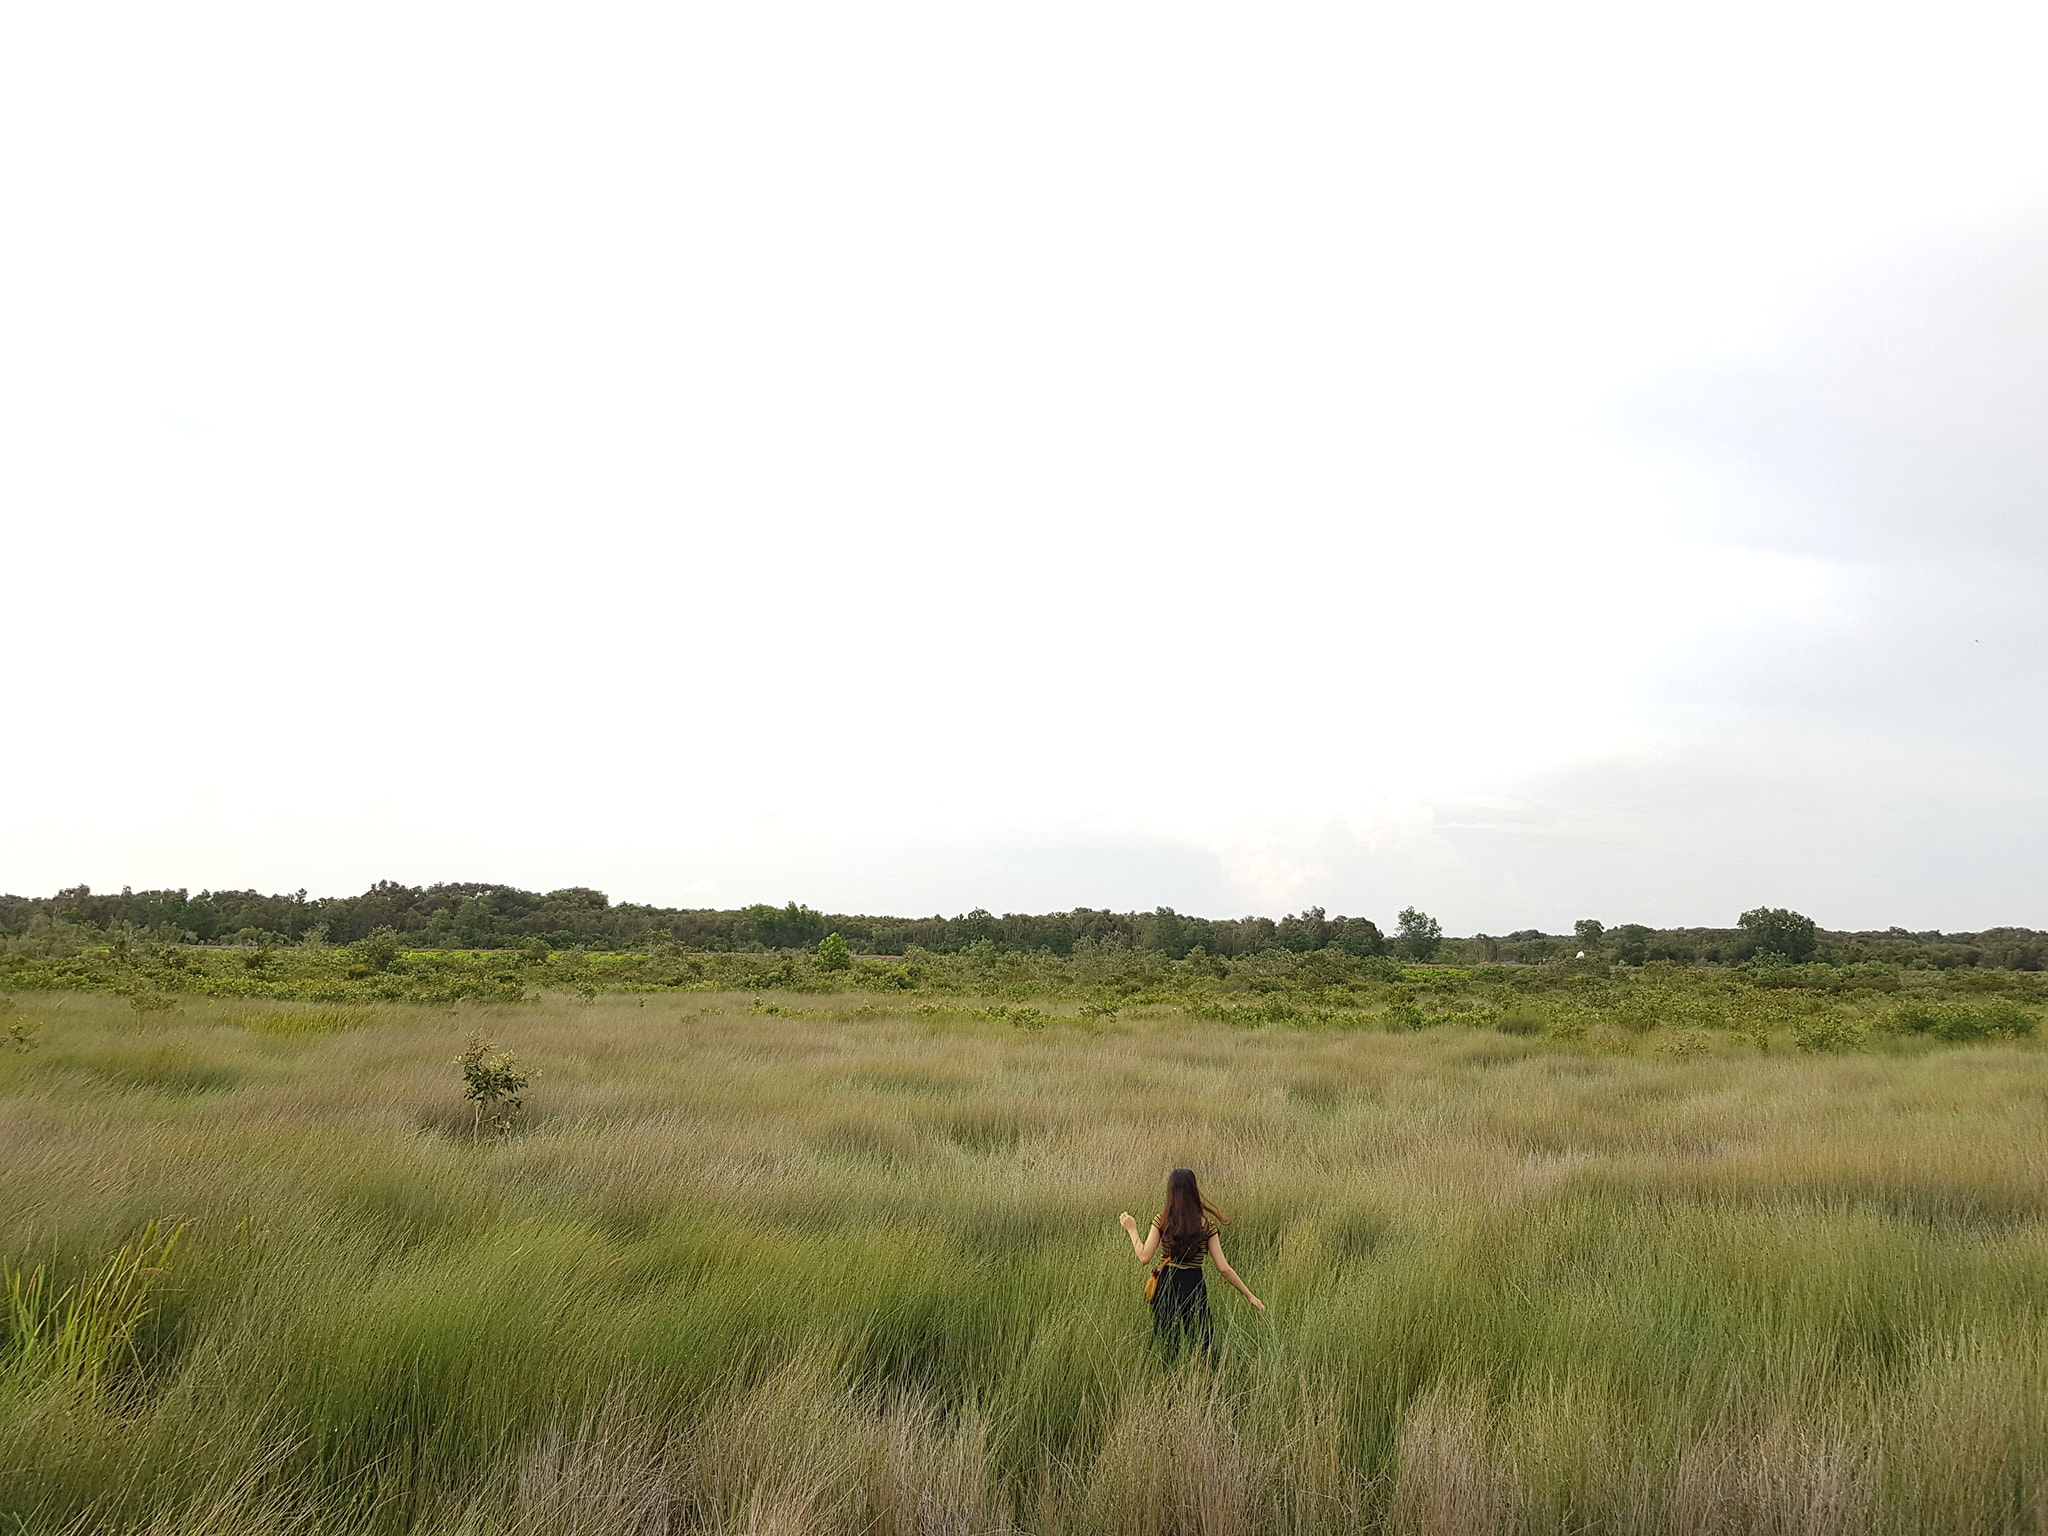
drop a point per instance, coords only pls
(83, 1333)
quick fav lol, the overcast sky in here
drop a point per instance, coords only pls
(1530, 462)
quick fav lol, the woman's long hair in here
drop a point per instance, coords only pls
(1187, 1221)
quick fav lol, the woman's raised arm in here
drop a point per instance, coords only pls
(1223, 1268)
(1143, 1247)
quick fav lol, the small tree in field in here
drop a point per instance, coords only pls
(21, 1034)
(1421, 935)
(495, 1082)
(833, 953)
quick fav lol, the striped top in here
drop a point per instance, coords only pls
(1185, 1258)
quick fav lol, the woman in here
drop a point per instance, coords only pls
(1182, 1235)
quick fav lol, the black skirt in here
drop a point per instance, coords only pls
(1180, 1310)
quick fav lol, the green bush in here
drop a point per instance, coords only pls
(833, 953)
(375, 954)
(1999, 1019)
(1824, 1032)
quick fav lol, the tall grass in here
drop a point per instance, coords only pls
(85, 1332)
(793, 1266)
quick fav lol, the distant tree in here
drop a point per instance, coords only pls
(1631, 943)
(833, 953)
(1309, 931)
(1588, 931)
(1252, 934)
(1359, 936)
(790, 927)
(1169, 932)
(1420, 936)
(473, 923)
(1780, 932)
(979, 926)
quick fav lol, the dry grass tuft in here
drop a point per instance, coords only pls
(1451, 1478)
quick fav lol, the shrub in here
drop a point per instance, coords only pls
(2000, 1019)
(1636, 1017)
(2005, 1019)
(375, 954)
(1687, 1042)
(833, 953)
(1823, 1032)
(1405, 1016)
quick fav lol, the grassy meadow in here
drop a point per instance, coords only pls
(1663, 1254)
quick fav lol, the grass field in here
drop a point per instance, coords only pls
(800, 1263)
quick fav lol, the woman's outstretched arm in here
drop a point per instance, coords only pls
(1223, 1268)
(1144, 1247)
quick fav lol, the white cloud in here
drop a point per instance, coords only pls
(907, 457)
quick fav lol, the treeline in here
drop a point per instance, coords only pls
(469, 916)
(2013, 949)
(484, 917)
